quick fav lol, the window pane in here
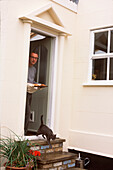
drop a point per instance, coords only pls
(100, 42)
(111, 42)
(111, 69)
(99, 71)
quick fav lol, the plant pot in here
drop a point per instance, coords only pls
(17, 168)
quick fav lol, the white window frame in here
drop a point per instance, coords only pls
(67, 4)
(108, 55)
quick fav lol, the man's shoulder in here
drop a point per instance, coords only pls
(32, 68)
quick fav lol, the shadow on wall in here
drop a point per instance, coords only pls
(96, 162)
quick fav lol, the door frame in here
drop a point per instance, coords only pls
(52, 80)
(59, 33)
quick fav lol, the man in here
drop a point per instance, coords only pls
(30, 88)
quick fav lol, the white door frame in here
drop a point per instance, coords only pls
(59, 36)
(59, 32)
(52, 82)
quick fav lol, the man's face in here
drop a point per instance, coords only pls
(33, 59)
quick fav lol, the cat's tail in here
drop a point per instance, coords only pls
(41, 119)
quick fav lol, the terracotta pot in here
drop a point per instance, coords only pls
(17, 168)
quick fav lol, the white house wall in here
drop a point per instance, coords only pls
(83, 114)
(13, 63)
(91, 126)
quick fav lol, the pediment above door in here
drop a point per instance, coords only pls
(48, 17)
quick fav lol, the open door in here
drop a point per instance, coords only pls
(39, 104)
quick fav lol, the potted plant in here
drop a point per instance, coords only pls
(17, 153)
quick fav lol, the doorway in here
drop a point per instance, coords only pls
(41, 98)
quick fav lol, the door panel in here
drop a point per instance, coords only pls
(40, 97)
(43, 65)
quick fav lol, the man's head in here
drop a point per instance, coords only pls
(33, 59)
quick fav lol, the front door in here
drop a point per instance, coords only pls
(39, 104)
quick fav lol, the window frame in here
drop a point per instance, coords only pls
(107, 55)
(67, 4)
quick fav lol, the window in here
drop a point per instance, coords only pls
(102, 55)
(69, 4)
(76, 1)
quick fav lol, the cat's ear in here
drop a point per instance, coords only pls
(54, 137)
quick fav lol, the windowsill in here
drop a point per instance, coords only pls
(67, 4)
(97, 83)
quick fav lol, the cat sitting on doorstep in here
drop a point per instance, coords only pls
(45, 131)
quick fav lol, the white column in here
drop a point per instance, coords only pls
(59, 81)
(25, 59)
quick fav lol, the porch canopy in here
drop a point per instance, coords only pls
(46, 18)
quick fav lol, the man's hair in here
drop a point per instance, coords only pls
(35, 50)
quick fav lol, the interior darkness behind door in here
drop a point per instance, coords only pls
(40, 97)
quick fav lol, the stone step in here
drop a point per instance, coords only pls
(43, 147)
(56, 161)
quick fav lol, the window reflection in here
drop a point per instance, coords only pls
(111, 44)
(111, 69)
(99, 71)
(100, 44)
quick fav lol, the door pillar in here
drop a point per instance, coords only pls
(61, 40)
(24, 60)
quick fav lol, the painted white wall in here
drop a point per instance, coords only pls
(91, 126)
(14, 63)
(83, 114)
(64, 100)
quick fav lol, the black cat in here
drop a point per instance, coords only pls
(45, 131)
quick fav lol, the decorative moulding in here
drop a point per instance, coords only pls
(48, 9)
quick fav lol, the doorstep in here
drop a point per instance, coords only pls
(44, 148)
(44, 141)
(59, 160)
(56, 157)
